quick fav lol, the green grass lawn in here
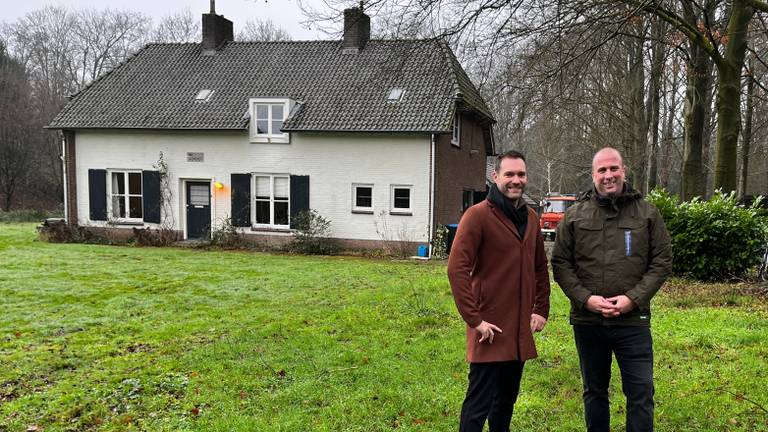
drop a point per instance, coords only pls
(126, 338)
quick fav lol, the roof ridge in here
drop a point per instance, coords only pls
(451, 58)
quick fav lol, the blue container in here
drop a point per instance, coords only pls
(423, 251)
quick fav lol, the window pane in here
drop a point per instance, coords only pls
(134, 183)
(118, 183)
(276, 126)
(199, 195)
(402, 198)
(281, 187)
(364, 197)
(277, 112)
(262, 212)
(118, 207)
(281, 213)
(262, 112)
(262, 187)
(136, 209)
(262, 127)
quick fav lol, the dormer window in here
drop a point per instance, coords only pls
(456, 130)
(267, 117)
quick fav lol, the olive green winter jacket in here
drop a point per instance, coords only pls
(610, 247)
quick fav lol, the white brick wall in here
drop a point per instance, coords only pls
(333, 162)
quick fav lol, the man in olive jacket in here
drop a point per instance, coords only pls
(499, 279)
(611, 255)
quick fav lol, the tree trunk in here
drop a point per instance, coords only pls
(698, 76)
(668, 127)
(637, 134)
(729, 97)
(746, 137)
(657, 54)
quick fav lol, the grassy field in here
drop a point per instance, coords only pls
(124, 338)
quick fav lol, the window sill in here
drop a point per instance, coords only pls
(362, 211)
(277, 139)
(401, 213)
(271, 229)
(456, 144)
(125, 223)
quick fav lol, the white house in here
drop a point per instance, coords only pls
(370, 133)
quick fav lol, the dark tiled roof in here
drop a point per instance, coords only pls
(156, 88)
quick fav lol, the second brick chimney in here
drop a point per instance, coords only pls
(216, 29)
(357, 30)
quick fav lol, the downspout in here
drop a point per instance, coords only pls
(431, 194)
(64, 174)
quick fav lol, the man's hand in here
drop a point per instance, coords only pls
(537, 323)
(486, 330)
(622, 304)
(601, 305)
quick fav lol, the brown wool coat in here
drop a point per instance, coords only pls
(498, 278)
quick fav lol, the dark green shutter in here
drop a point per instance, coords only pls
(97, 194)
(299, 195)
(150, 190)
(241, 200)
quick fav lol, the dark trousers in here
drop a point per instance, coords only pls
(491, 394)
(633, 348)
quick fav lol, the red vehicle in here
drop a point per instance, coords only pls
(553, 211)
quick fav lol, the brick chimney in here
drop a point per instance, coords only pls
(357, 30)
(216, 29)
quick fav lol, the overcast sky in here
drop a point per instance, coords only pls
(285, 13)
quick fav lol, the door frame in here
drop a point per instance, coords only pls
(183, 196)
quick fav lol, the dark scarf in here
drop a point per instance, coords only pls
(514, 209)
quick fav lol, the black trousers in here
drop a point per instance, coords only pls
(633, 348)
(491, 394)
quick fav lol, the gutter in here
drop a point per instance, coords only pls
(431, 195)
(64, 174)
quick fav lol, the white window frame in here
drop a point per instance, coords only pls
(254, 199)
(456, 130)
(271, 136)
(400, 211)
(355, 207)
(127, 195)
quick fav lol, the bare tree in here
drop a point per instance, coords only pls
(178, 27)
(15, 128)
(104, 38)
(262, 31)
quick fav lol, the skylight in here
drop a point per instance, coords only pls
(204, 95)
(395, 94)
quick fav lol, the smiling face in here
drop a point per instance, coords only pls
(511, 177)
(608, 172)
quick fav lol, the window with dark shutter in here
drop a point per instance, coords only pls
(97, 194)
(241, 200)
(299, 195)
(152, 196)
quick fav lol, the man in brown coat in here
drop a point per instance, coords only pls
(499, 278)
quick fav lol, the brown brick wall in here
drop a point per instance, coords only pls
(69, 162)
(458, 169)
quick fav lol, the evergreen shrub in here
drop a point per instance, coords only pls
(715, 239)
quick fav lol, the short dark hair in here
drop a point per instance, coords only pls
(509, 154)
